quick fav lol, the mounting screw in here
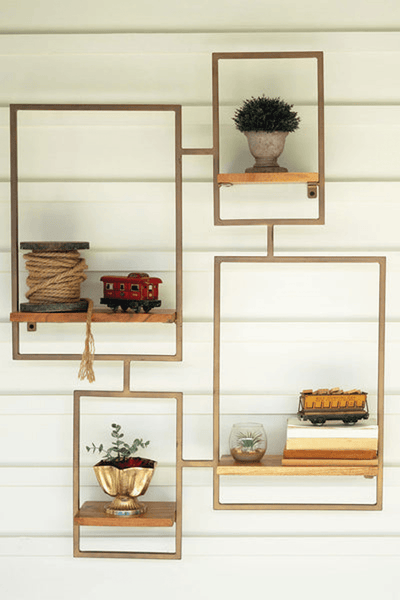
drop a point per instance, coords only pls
(312, 191)
(31, 326)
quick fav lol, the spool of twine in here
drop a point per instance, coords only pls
(54, 279)
(54, 276)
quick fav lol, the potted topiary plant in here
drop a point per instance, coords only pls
(122, 475)
(266, 122)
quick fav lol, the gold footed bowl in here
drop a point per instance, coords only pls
(126, 484)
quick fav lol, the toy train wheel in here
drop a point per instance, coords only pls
(317, 420)
(146, 308)
(115, 307)
(350, 420)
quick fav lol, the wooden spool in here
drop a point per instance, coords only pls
(81, 305)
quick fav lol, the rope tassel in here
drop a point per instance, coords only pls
(86, 368)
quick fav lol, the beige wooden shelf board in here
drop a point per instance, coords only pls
(159, 514)
(100, 315)
(272, 466)
(241, 178)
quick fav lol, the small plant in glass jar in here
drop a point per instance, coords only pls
(248, 442)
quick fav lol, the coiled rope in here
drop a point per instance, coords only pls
(55, 277)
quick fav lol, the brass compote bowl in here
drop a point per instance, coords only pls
(125, 484)
(122, 475)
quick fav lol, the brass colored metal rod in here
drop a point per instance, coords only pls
(381, 377)
(366, 507)
(321, 138)
(14, 209)
(107, 357)
(138, 555)
(215, 116)
(270, 240)
(98, 107)
(127, 375)
(178, 233)
(252, 55)
(197, 151)
(198, 463)
(216, 375)
(179, 476)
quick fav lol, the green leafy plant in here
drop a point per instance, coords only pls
(266, 114)
(120, 450)
(248, 440)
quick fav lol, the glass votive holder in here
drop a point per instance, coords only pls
(248, 442)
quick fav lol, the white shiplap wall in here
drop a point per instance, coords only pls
(74, 184)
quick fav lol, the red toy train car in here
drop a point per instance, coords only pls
(135, 291)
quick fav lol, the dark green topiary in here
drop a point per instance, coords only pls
(266, 114)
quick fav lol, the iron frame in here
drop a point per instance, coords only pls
(312, 187)
(271, 259)
(126, 393)
(174, 108)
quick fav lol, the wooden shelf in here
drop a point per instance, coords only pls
(272, 466)
(100, 315)
(159, 514)
(241, 178)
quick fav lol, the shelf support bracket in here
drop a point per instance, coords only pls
(312, 190)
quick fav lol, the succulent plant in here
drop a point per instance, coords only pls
(248, 440)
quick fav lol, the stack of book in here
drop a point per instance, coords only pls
(331, 444)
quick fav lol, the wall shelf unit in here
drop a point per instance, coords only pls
(168, 316)
(167, 514)
(159, 514)
(272, 465)
(316, 179)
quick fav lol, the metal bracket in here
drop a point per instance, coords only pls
(312, 190)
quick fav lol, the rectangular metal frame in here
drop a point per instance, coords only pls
(216, 57)
(178, 396)
(219, 260)
(177, 110)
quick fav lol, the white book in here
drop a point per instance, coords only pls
(296, 428)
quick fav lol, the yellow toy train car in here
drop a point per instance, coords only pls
(335, 404)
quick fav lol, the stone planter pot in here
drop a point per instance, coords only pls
(126, 485)
(266, 148)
